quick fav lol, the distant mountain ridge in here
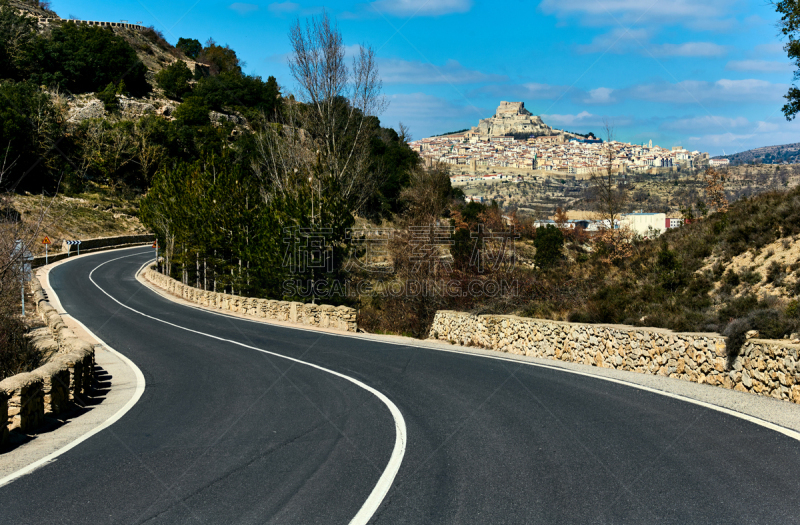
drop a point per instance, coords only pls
(780, 154)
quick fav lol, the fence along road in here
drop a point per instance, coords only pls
(224, 433)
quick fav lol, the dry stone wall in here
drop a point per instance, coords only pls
(320, 315)
(53, 388)
(764, 367)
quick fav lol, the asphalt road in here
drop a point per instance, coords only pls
(226, 434)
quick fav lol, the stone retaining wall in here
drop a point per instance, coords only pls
(764, 367)
(56, 386)
(321, 315)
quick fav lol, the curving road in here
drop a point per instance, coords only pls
(227, 434)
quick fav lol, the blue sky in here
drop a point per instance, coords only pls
(707, 75)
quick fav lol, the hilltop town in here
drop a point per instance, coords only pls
(493, 146)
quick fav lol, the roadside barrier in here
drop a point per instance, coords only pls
(56, 387)
(320, 315)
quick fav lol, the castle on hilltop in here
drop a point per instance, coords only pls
(512, 117)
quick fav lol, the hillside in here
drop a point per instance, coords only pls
(726, 272)
(84, 216)
(150, 46)
(783, 154)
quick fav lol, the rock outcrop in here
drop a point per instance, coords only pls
(512, 117)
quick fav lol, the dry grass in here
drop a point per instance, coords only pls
(86, 216)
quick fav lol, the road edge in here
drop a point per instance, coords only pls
(116, 416)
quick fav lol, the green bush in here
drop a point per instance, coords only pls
(548, 243)
(775, 272)
(84, 59)
(751, 277)
(192, 112)
(731, 278)
(108, 97)
(174, 79)
(29, 126)
(190, 47)
(17, 32)
(793, 309)
(232, 89)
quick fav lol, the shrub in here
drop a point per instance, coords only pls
(751, 277)
(731, 278)
(190, 47)
(174, 79)
(735, 337)
(156, 37)
(192, 112)
(793, 309)
(548, 243)
(237, 90)
(774, 272)
(16, 353)
(29, 126)
(109, 98)
(83, 59)
(17, 32)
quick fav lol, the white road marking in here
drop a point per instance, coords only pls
(139, 390)
(375, 498)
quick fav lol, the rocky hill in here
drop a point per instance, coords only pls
(151, 48)
(782, 154)
(511, 118)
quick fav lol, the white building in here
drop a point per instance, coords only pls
(642, 223)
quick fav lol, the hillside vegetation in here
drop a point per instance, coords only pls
(736, 268)
(779, 154)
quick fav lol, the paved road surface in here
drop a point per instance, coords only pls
(226, 434)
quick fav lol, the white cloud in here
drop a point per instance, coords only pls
(698, 91)
(706, 123)
(582, 118)
(397, 71)
(600, 95)
(769, 49)
(243, 9)
(768, 132)
(283, 8)
(618, 40)
(625, 41)
(706, 15)
(523, 92)
(421, 7)
(689, 49)
(760, 66)
(585, 121)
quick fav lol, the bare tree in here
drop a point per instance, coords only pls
(333, 126)
(715, 190)
(609, 194)
(17, 235)
(610, 200)
(148, 153)
(404, 133)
